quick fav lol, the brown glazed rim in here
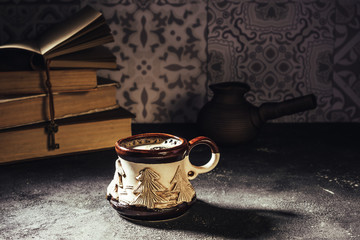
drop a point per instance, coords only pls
(168, 155)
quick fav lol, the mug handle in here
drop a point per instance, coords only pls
(192, 170)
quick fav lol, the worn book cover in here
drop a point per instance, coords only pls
(27, 109)
(33, 82)
(89, 132)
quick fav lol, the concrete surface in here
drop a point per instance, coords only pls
(295, 181)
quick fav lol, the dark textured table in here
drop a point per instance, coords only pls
(295, 181)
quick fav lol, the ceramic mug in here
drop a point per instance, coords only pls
(151, 180)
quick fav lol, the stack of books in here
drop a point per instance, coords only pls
(83, 106)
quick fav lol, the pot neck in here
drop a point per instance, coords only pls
(229, 92)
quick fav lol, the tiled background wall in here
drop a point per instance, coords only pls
(169, 51)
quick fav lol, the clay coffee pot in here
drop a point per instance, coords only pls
(229, 119)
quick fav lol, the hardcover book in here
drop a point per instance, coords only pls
(27, 109)
(83, 133)
(33, 82)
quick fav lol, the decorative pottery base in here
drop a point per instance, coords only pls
(146, 214)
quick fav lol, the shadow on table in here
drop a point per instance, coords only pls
(225, 222)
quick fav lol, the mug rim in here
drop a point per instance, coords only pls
(168, 155)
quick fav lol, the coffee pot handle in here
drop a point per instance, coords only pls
(192, 170)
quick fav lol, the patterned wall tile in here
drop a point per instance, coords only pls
(160, 46)
(169, 51)
(281, 48)
(346, 104)
(25, 19)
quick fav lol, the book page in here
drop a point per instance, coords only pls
(66, 29)
(96, 57)
(25, 45)
(101, 36)
(89, 29)
(98, 53)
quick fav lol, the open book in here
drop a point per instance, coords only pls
(79, 38)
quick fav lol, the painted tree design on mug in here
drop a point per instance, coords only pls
(182, 186)
(120, 173)
(117, 182)
(148, 188)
